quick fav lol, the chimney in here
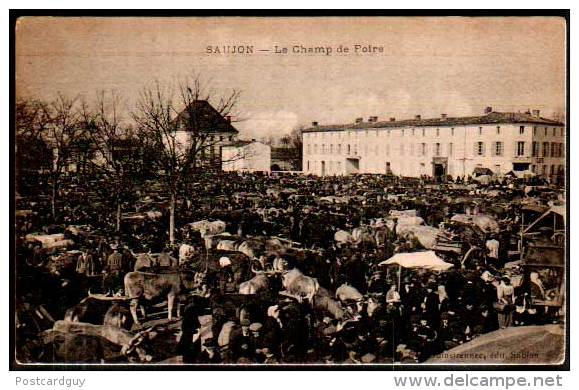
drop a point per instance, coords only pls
(536, 113)
(443, 116)
(315, 124)
(373, 119)
(253, 140)
(417, 117)
(528, 112)
(392, 119)
(228, 118)
(488, 110)
(359, 120)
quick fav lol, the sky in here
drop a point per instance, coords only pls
(426, 66)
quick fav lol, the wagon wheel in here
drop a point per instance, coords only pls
(558, 238)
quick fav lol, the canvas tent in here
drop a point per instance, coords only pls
(418, 260)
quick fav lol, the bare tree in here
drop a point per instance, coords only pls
(30, 121)
(180, 129)
(56, 123)
(111, 140)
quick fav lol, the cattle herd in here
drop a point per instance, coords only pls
(274, 269)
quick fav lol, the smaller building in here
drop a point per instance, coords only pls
(246, 156)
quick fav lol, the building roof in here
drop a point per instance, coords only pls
(490, 118)
(208, 118)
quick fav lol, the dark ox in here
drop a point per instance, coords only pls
(99, 310)
(141, 286)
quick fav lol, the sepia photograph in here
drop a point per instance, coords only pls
(268, 192)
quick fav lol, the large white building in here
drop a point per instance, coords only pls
(246, 156)
(441, 146)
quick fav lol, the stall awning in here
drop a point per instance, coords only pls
(422, 260)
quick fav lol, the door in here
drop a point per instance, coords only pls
(323, 168)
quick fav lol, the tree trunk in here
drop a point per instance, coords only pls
(172, 220)
(53, 199)
(118, 216)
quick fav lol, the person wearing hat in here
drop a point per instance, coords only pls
(241, 343)
(260, 347)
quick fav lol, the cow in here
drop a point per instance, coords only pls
(323, 301)
(343, 237)
(141, 286)
(259, 283)
(348, 294)
(186, 253)
(91, 309)
(227, 245)
(207, 228)
(296, 283)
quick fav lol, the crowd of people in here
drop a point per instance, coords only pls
(360, 312)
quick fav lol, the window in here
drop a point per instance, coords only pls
(535, 149)
(450, 149)
(438, 132)
(480, 148)
(545, 149)
(309, 149)
(339, 148)
(323, 148)
(561, 132)
(220, 138)
(521, 148)
(452, 131)
(413, 132)
(349, 149)
(315, 148)
(331, 148)
(554, 132)
(423, 132)
(522, 130)
(423, 149)
(437, 148)
(498, 129)
(545, 131)
(498, 148)
(534, 130)
(534, 168)
(480, 131)
(231, 138)
(308, 164)
(402, 132)
(544, 169)
(554, 149)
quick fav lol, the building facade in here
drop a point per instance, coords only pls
(202, 124)
(442, 146)
(246, 156)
